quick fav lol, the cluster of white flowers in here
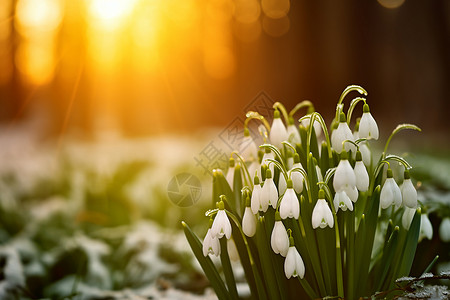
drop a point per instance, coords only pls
(281, 188)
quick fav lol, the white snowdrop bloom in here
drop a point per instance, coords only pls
(361, 175)
(340, 134)
(256, 204)
(265, 161)
(409, 193)
(444, 230)
(289, 207)
(248, 148)
(317, 127)
(278, 132)
(342, 201)
(230, 173)
(249, 222)
(296, 176)
(269, 192)
(426, 229)
(366, 153)
(322, 215)
(279, 239)
(293, 265)
(407, 217)
(211, 244)
(221, 225)
(390, 193)
(293, 133)
(282, 185)
(344, 177)
(368, 128)
(352, 193)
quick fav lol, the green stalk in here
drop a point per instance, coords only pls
(227, 269)
(350, 251)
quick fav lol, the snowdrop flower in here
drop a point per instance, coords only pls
(221, 225)
(282, 185)
(365, 153)
(296, 176)
(361, 175)
(269, 192)
(426, 229)
(390, 193)
(211, 244)
(409, 193)
(444, 230)
(344, 177)
(256, 204)
(289, 207)
(407, 217)
(230, 173)
(293, 133)
(342, 201)
(278, 132)
(293, 265)
(340, 134)
(248, 148)
(248, 220)
(279, 239)
(265, 161)
(367, 126)
(322, 215)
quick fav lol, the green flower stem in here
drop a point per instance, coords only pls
(227, 269)
(352, 107)
(280, 106)
(247, 178)
(323, 247)
(395, 131)
(339, 105)
(350, 251)
(386, 259)
(321, 121)
(305, 103)
(280, 167)
(277, 153)
(254, 115)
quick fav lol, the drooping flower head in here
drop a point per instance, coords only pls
(322, 215)
(390, 193)
(230, 173)
(256, 203)
(293, 265)
(279, 239)
(426, 229)
(248, 220)
(344, 178)
(278, 132)
(269, 192)
(248, 148)
(409, 193)
(340, 134)
(211, 244)
(293, 133)
(221, 225)
(444, 230)
(361, 175)
(368, 128)
(296, 176)
(289, 206)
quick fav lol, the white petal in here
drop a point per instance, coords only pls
(426, 229)
(344, 176)
(387, 194)
(289, 206)
(211, 244)
(221, 225)
(368, 127)
(289, 263)
(361, 176)
(444, 230)
(342, 201)
(293, 134)
(365, 153)
(297, 178)
(249, 222)
(282, 185)
(278, 133)
(299, 265)
(352, 193)
(248, 149)
(409, 193)
(279, 239)
(397, 194)
(341, 134)
(256, 199)
(407, 217)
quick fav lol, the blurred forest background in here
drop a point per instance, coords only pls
(151, 67)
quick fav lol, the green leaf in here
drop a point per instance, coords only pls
(227, 269)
